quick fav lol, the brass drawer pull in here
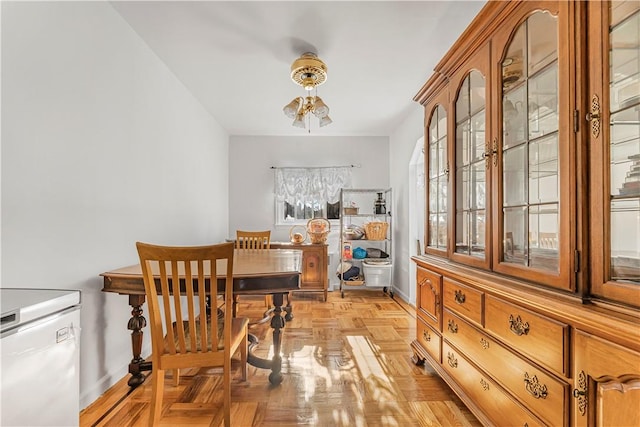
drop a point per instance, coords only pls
(426, 336)
(517, 326)
(460, 297)
(451, 360)
(484, 384)
(484, 343)
(533, 386)
(451, 325)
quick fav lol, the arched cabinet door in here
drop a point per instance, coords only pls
(437, 170)
(534, 139)
(614, 138)
(471, 161)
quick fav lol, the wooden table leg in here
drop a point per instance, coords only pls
(135, 325)
(275, 364)
(288, 309)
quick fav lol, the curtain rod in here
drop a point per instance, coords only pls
(314, 167)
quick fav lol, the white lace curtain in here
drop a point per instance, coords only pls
(320, 184)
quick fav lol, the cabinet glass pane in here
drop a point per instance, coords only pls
(625, 63)
(462, 143)
(470, 166)
(543, 237)
(442, 195)
(625, 239)
(513, 173)
(514, 243)
(433, 130)
(462, 103)
(433, 230)
(477, 233)
(462, 195)
(433, 196)
(530, 146)
(543, 103)
(462, 232)
(477, 136)
(512, 74)
(543, 170)
(477, 196)
(624, 141)
(442, 230)
(433, 160)
(513, 118)
(438, 175)
(477, 93)
(541, 49)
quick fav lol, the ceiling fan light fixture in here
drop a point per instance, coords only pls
(309, 72)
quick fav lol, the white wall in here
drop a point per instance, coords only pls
(401, 144)
(251, 182)
(101, 146)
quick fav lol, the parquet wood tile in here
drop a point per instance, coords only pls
(346, 362)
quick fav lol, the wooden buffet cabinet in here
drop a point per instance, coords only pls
(528, 292)
(315, 263)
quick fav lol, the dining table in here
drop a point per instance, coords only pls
(274, 272)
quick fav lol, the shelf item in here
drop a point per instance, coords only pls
(377, 275)
(376, 230)
(365, 237)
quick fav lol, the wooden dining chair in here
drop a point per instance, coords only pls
(252, 240)
(192, 338)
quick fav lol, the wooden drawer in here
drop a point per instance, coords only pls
(465, 301)
(484, 392)
(537, 390)
(429, 339)
(429, 294)
(540, 338)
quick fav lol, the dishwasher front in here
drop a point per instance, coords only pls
(39, 344)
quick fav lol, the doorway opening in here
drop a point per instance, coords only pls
(416, 210)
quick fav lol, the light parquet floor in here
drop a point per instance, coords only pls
(346, 362)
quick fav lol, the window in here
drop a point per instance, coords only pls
(305, 193)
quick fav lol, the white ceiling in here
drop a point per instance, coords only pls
(235, 56)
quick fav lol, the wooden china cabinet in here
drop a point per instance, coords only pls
(528, 292)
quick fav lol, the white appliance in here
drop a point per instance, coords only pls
(40, 357)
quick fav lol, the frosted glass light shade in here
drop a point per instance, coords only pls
(320, 109)
(291, 109)
(325, 121)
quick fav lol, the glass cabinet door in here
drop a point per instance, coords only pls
(614, 127)
(472, 160)
(438, 176)
(530, 145)
(532, 133)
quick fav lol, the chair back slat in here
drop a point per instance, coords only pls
(203, 301)
(253, 239)
(191, 298)
(177, 305)
(166, 303)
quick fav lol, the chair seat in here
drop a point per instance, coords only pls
(237, 326)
